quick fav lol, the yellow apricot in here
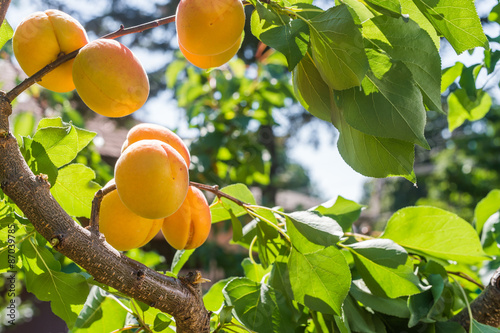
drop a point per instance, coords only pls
(41, 38)
(110, 79)
(211, 60)
(151, 178)
(209, 27)
(125, 230)
(189, 226)
(146, 131)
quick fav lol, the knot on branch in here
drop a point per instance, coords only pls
(43, 179)
(57, 240)
(140, 274)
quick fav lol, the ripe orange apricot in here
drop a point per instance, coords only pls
(146, 131)
(189, 226)
(41, 38)
(210, 61)
(151, 178)
(110, 79)
(123, 229)
(209, 27)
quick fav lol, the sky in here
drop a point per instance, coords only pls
(327, 170)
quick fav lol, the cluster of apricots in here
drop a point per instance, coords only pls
(106, 74)
(153, 193)
(209, 33)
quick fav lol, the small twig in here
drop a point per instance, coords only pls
(215, 190)
(468, 278)
(4, 6)
(96, 206)
(17, 90)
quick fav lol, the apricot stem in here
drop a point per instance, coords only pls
(122, 31)
(96, 206)
(271, 224)
(215, 190)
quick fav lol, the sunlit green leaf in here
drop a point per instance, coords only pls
(435, 232)
(342, 210)
(457, 20)
(219, 208)
(6, 33)
(462, 108)
(337, 48)
(485, 208)
(75, 189)
(66, 292)
(180, 258)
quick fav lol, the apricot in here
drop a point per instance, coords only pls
(209, 27)
(123, 229)
(146, 131)
(151, 178)
(189, 226)
(110, 79)
(210, 61)
(41, 38)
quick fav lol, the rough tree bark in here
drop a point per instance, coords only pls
(486, 307)
(181, 298)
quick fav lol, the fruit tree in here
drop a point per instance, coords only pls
(370, 68)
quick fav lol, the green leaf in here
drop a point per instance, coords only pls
(100, 313)
(6, 33)
(462, 108)
(381, 264)
(374, 156)
(172, 72)
(409, 8)
(450, 74)
(389, 106)
(180, 258)
(342, 210)
(254, 271)
(337, 48)
(457, 20)
(477, 327)
(321, 230)
(24, 124)
(62, 141)
(258, 306)
(320, 279)
(237, 227)
(219, 208)
(310, 89)
(290, 37)
(394, 307)
(488, 206)
(162, 322)
(390, 7)
(66, 292)
(37, 159)
(74, 189)
(435, 232)
(214, 298)
(405, 41)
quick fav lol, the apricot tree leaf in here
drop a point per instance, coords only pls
(488, 206)
(100, 313)
(337, 48)
(66, 292)
(435, 232)
(180, 258)
(259, 306)
(62, 141)
(74, 189)
(462, 108)
(219, 208)
(457, 21)
(374, 156)
(6, 33)
(382, 265)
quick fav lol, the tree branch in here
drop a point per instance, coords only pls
(486, 307)
(179, 297)
(4, 5)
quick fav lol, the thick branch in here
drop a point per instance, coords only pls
(486, 307)
(179, 297)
